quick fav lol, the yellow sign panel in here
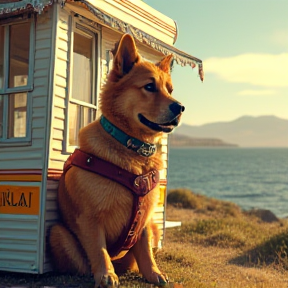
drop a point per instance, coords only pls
(19, 199)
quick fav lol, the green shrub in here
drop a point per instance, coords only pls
(183, 198)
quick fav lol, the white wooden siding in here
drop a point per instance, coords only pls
(57, 155)
(32, 156)
(19, 242)
(20, 238)
(51, 217)
(20, 235)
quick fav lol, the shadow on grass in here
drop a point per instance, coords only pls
(273, 251)
(55, 280)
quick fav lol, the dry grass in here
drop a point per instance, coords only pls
(218, 245)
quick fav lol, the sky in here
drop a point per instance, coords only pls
(244, 48)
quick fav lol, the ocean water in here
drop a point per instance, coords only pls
(249, 177)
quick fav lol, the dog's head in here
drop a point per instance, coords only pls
(137, 96)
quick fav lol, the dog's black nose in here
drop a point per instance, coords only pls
(176, 108)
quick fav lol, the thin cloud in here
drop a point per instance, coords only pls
(265, 70)
(280, 38)
(256, 92)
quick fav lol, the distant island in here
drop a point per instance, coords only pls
(246, 131)
(178, 140)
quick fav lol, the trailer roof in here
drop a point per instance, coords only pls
(182, 58)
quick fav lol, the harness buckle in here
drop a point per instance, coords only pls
(131, 233)
(147, 149)
(145, 183)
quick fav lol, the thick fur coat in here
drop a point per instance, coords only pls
(137, 99)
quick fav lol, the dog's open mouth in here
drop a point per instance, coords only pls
(165, 127)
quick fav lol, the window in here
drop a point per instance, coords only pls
(16, 63)
(82, 98)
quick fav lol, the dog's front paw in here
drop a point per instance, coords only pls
(157, 278)
(109, 280)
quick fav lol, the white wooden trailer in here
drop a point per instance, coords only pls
(54, 55)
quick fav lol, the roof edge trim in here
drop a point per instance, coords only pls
(19, 7)
(180, 57)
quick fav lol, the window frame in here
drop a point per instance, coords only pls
(81, 28)
(5, 91)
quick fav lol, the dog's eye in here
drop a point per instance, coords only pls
(170, 91)
(169, 88)
(151, 87)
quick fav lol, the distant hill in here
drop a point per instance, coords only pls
(246, 131)
(178, 140)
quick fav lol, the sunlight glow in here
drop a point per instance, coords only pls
(265, 70)
(256, 92)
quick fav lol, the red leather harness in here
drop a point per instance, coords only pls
(139, 186)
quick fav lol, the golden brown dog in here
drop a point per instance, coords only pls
(136, 100)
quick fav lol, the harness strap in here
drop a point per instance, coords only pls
(139, 185)
(130, 233)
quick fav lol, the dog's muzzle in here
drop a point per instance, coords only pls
(175, 111)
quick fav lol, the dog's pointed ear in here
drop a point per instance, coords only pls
(166, 64)
(125, 55)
